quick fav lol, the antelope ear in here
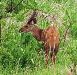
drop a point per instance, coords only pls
(20, 30)
(32, 20)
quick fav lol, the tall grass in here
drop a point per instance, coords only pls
(19, 52)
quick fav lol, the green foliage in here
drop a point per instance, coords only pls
(19, 51)
(73, 50)
(6, 58)
(2, 9)
(74, 31)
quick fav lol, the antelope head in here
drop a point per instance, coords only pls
(30, 24)
(27, 28)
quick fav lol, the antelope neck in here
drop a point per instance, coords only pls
(37, 33)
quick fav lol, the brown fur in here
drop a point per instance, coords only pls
(51, 42)
(49, 36)
(32, 19)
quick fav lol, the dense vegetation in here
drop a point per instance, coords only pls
(19, 52)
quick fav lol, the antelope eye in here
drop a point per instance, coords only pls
(26, 26)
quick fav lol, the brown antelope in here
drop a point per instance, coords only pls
(49, 36)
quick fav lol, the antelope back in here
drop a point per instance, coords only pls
(52, 36)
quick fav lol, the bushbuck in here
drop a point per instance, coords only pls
(49, 36)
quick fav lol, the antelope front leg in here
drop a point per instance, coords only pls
(53, 58)
(46, 55)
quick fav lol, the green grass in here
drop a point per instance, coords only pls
(59, 70)
(19, 52)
